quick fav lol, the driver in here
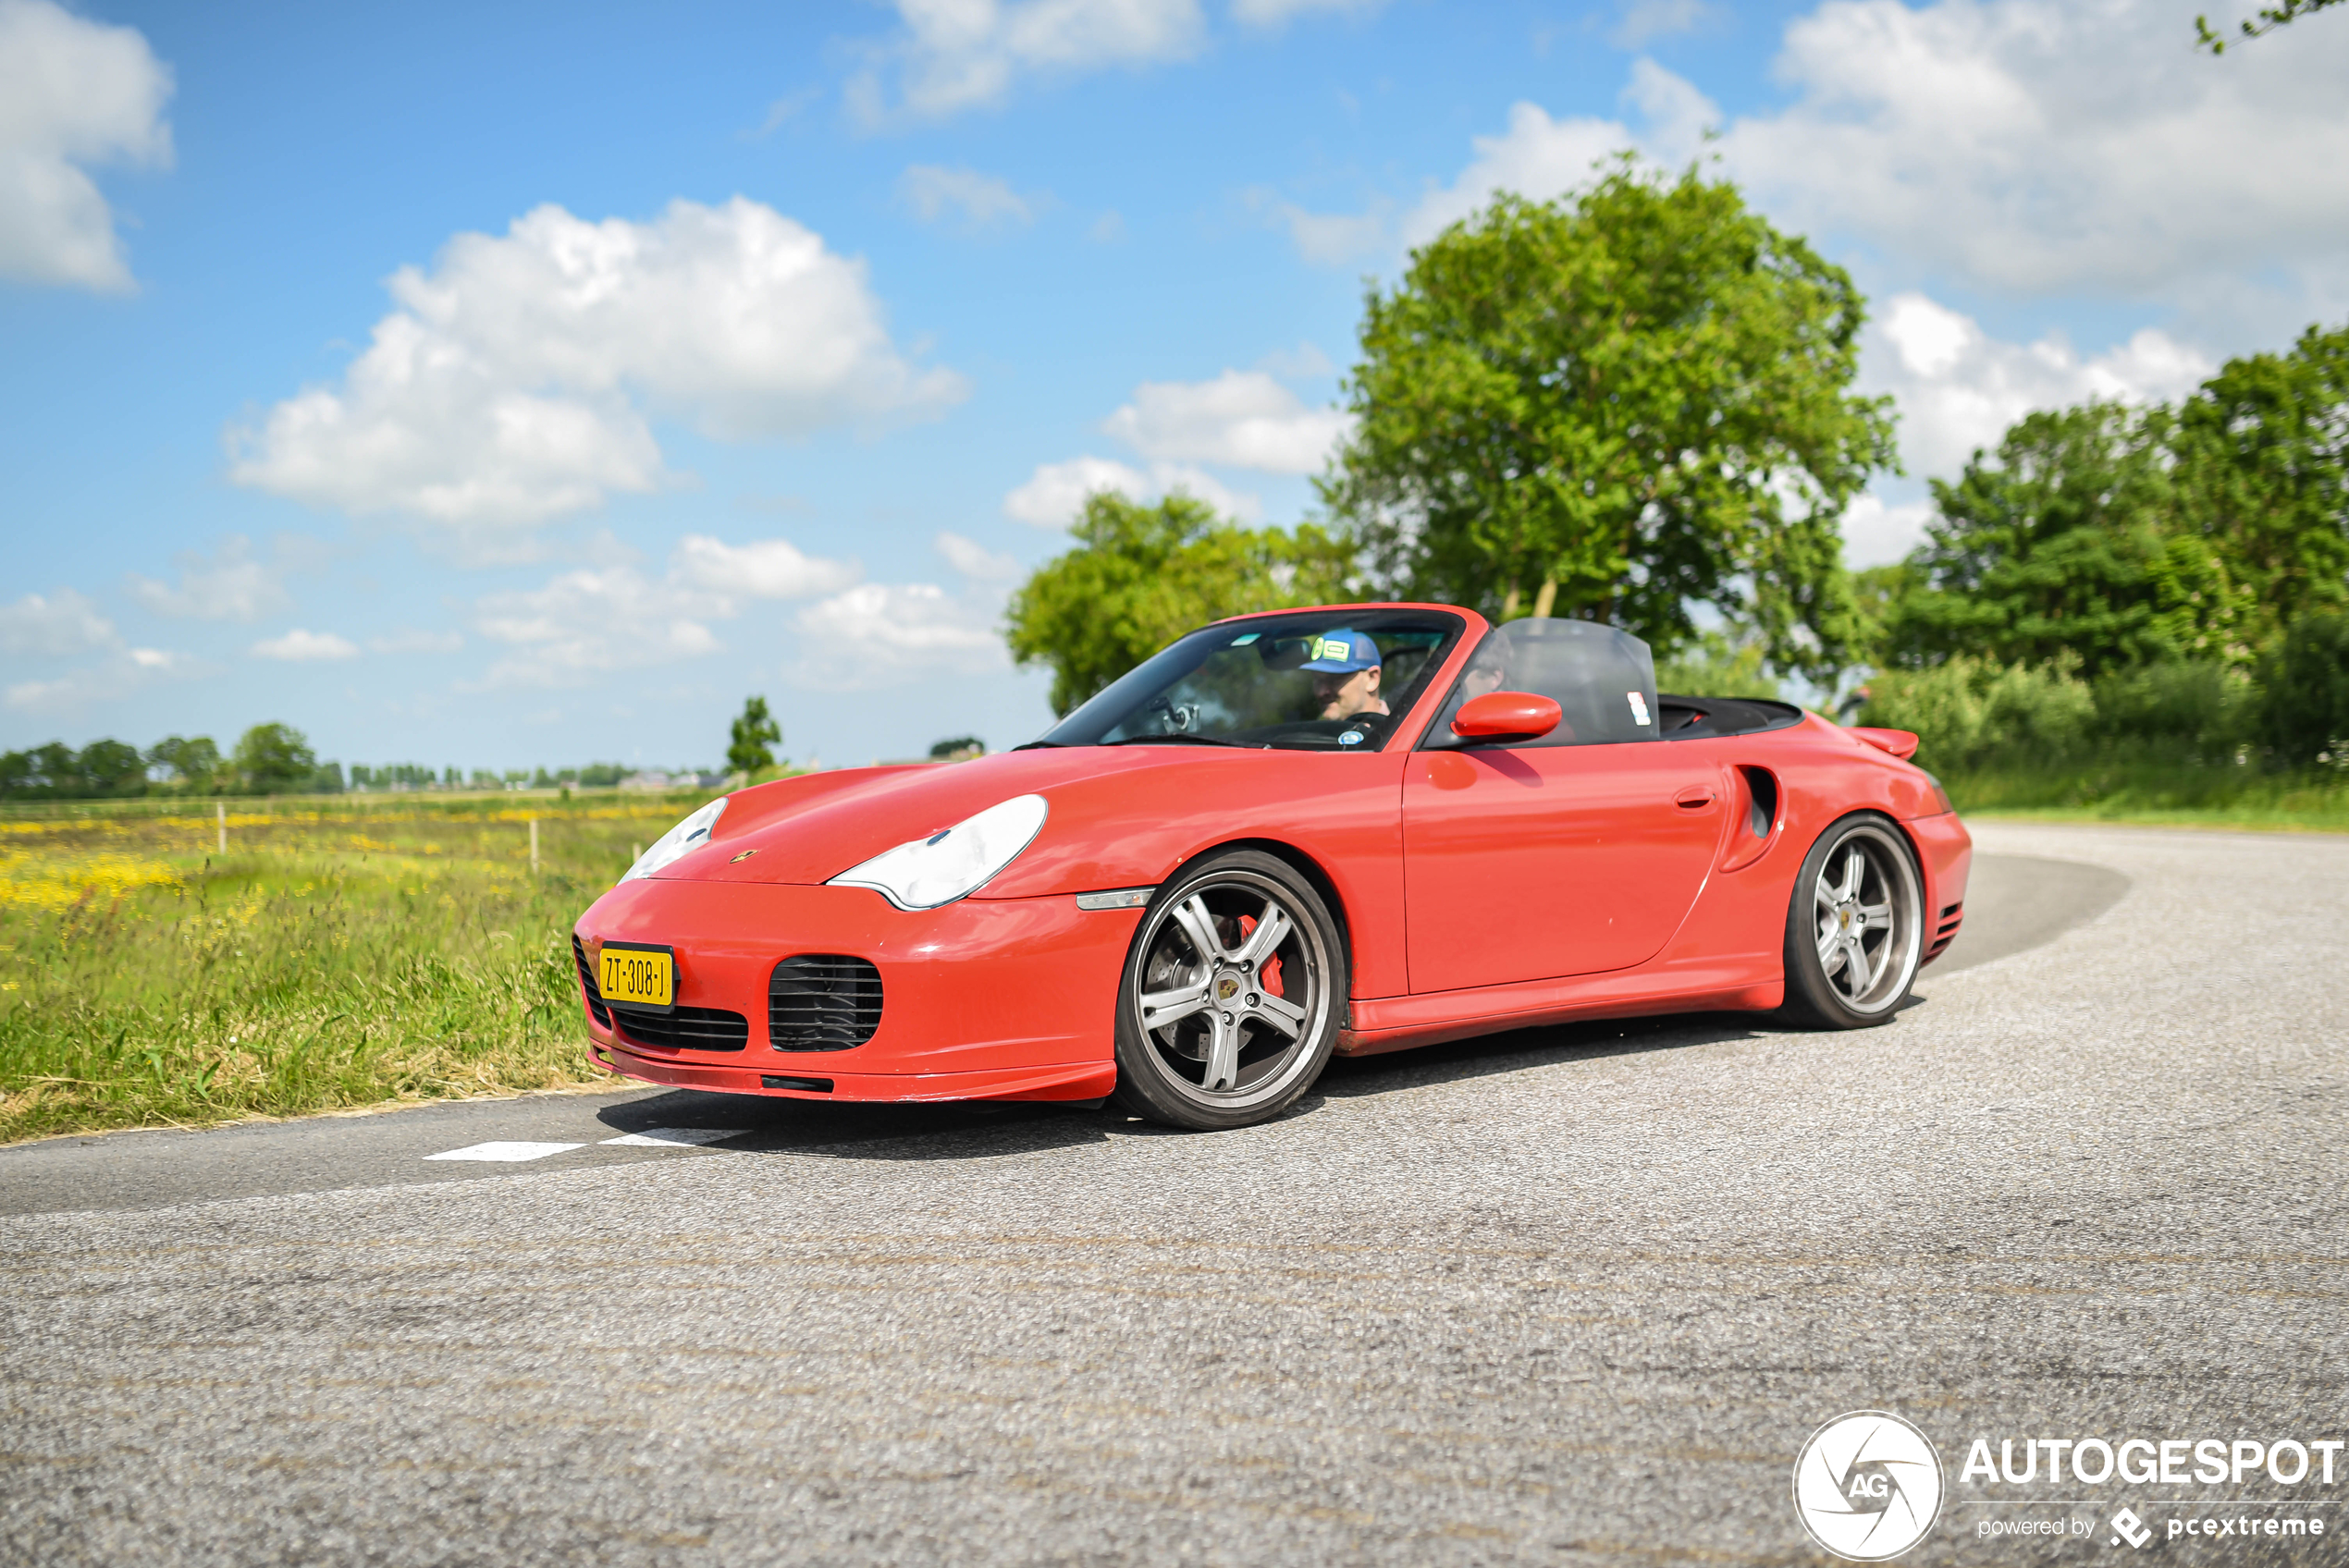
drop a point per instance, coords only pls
(1344, 668)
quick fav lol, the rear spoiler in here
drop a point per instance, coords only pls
(1901, 743)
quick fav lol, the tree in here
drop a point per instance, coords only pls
(111, 767)
(1142, 576)
(1616, 406)
(188, 764)
(2262, 454)
(2269, 19)
(2061, 543)
(274, 759)
(956, 748)
(754, 733)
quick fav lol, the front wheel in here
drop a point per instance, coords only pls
(1855, 929)
(1232, 996)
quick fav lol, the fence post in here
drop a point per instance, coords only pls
(222, 808)
(534, 846)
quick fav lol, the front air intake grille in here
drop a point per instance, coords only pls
(687, 1029)
(587, 980)
(822, 1003)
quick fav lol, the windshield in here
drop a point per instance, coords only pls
(1336, 680)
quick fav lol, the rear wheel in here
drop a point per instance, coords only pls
(1854, 931)
(1231, 996)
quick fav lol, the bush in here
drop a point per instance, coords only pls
(1969, 712)
(2304, 702)
(2177, 710)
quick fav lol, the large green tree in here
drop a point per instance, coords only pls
(2060, 544)
(1140, 576)
(1619, 405)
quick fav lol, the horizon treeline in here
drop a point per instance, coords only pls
(269, 759)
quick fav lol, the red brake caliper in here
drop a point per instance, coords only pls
(1267, 974)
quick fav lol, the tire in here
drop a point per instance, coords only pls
(1855, 926)
(1202, 1043)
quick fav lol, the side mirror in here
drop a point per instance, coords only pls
(1507, 716)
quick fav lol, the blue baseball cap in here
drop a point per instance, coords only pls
(1341, 653)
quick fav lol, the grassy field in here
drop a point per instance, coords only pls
(344, 952)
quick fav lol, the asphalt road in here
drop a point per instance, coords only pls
(1572, 1295)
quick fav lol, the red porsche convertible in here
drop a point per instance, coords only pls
(1348, 829)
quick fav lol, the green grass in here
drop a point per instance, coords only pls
(345, 952)
(2163, 793)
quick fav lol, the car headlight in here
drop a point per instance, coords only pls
(683, 838)
(945, 866)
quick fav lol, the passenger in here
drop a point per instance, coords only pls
(1345, 670)
(1489, 671)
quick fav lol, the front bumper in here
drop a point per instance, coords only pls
(1008, 998)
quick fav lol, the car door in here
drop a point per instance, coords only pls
(1574, 853)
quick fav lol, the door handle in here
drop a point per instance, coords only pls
(1696, 797)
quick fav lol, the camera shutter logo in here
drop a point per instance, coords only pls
(1867, 1485)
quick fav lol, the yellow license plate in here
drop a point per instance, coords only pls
(638, 976)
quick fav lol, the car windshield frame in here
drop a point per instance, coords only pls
(1111, 716)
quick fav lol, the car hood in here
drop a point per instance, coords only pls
(809, 829)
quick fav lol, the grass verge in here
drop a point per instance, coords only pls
(2158, 795)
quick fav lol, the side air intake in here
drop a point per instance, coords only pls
(822, 1003)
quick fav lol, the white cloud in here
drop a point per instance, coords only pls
(1959, 388)
(1641, 20)
(2045, 145)
(413, 640)
(614, 617)
(1055, 492)
(764, 568)
(957, 55)
(299, 646)
(1876, 531)
(72, 93)
(984, 201)
(71, 695)
(1540, 158)
(877, 632)
(1331, 238)
(1274, 13)
(974, 560)
(884, 633)
(53, 627)
(514, 382)
(227, 585)
(1241, 419)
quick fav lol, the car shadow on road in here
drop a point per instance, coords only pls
(989, 1130)
(962, 1130)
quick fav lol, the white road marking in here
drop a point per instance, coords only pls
(505, 1151)
(675, 1137)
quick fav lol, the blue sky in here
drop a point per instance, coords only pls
(519, 386)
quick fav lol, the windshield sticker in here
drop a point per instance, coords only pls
(1639, 707)
(1244, 642)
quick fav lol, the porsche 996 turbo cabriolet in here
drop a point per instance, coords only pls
(1348, 829)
